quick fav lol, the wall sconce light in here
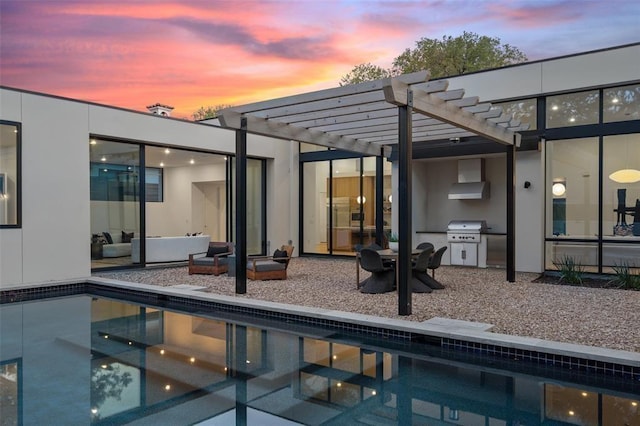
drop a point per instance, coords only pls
(361, 199)
(559, 189)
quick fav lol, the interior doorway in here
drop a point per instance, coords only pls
(209, 208)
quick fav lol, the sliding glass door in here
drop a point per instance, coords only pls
(115, 203)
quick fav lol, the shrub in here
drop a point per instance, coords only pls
(626, 276)
(571, 271)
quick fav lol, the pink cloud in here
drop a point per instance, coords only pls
(191, 54)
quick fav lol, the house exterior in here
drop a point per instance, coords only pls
(71, 171)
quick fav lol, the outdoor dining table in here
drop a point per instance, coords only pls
(385, 254)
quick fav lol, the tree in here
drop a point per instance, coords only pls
(364, 72)
(207, 112)
(450, 56)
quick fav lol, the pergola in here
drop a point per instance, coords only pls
(369, 118)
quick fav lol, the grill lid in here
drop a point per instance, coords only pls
(467, 226)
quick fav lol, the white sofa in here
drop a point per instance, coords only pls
(117, 248)
(169, 249)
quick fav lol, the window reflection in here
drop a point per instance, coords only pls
(9, 173)
(524, 110)
(573, 109)
(10, 393)
(621, 103)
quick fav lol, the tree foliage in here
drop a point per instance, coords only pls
(364, 72)
(450, 56)
(204, 113)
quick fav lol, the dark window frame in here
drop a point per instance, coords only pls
(18, 222)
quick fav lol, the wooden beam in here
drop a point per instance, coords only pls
(283, 131)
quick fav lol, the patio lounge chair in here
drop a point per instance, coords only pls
(214, 261)
(270, 267)
(382, 277)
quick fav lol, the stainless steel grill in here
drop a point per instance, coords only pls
(464, 237)
(465, 231)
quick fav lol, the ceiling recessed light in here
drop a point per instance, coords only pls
(103, 159)
(572, 119)
(615, 100)
(554, 107)
(192, 161)
(93, 142)
(166, 151)
(161, 164)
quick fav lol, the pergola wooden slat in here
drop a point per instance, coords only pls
(369, 118)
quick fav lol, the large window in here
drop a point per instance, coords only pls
(572, 200)
(339, 204)
(573, 226)
(573, 109)
(115, 203)
(9, 174)
(255, 214)
(621, 199)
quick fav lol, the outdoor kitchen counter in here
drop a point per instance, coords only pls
(495, 246)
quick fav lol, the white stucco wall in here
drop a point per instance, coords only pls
(54, 239)
(557, 75)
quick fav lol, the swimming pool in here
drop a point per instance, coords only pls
(97, 355)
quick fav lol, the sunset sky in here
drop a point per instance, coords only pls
(190, 54)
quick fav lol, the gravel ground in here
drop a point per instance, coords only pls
(601, 317)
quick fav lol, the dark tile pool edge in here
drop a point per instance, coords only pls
(587, 359)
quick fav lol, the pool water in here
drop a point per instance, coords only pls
(84, 359)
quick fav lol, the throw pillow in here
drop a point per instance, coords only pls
(108, 237)
(98, 239)
(127, 236)
(213, 250)
(278, 255)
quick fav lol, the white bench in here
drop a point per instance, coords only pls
(169, 249)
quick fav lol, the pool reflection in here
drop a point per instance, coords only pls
(148, 365)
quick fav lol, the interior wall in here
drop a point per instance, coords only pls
(183, 210)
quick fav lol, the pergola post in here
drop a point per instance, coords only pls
(405, 154)
(241, 207)
(379, 199)
(511, 213)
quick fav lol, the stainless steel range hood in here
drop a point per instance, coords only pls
(471, 184)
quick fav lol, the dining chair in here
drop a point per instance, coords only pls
(382, 277)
